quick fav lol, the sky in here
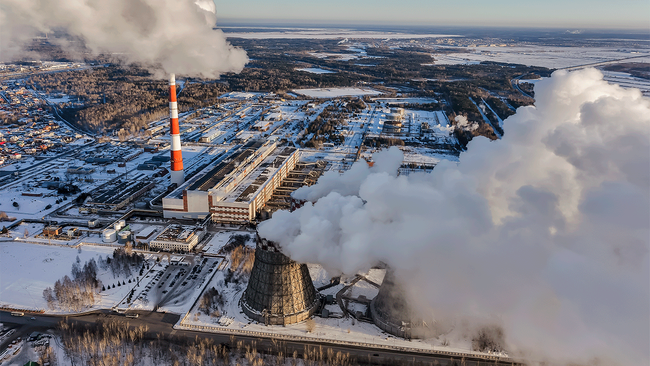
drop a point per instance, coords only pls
(550, 13)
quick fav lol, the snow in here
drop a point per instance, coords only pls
(333, 330)
(320, 33)
(316, 70)
(27, 269)
(405, 100)
(338, 56)
(319, 275)
(63, 99)
(375, 275)
(425, 155)
(336, 92)
(626, 80)
(545, 56)
(218, 240)
(363, 288)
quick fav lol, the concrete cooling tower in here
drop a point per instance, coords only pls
(280, 290)
(391, 312)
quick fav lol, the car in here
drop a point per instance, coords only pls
(32, 318)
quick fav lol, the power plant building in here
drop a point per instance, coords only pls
(235, 189)
(176, 238)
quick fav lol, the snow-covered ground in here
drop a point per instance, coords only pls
(628, 81)
(337, 56)
(545, 56)
(336, 92)
(320, 33)
(220, 239)
(62, 99)
(405, 100)
(316, 70)
(330, 329)
(362, 288)
(27, 269)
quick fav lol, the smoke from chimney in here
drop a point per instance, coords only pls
(545, 232)
(163, 35)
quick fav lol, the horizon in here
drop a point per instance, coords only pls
(623, 15)
(253, 23)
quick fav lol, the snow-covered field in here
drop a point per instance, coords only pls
(551, 57)
(405, 100)
(628, 81)
(320, 33)
(316, 70)
(27, 269)
(336, 92)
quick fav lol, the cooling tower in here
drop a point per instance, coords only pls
(177, 174)
(280, 290)
(391, 312)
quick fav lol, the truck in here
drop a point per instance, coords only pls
(17, 313)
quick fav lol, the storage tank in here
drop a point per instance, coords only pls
(123, 236)
(109, 236)
(119, 225)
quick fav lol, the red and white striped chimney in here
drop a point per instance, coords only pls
(177, 174)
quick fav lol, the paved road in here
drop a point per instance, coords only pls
(515, 84)
(594, 64)
(161, 323)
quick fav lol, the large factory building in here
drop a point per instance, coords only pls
(237, 188)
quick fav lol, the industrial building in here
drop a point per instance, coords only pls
(176, 238)
(52, 230)
(117, 195)
(237, 188)
(280, 290)
(211, 134)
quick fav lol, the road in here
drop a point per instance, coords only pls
(161, 324)
(515, 84)
(594, 64)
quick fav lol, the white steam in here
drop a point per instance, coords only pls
(167, 36)
(463, 124)
(545, 231)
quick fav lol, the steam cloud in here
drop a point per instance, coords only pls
(170, 36)
(545, 232)
(464, 124)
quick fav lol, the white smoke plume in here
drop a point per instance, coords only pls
(545, 231)
(463, 124)
(167, 36)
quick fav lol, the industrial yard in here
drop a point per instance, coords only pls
(239, 161)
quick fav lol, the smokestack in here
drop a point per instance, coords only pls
(177, 174)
